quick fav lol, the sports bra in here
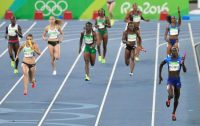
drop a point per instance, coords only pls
(53, 33)
(88, 39)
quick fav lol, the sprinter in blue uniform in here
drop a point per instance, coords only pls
(175, 63)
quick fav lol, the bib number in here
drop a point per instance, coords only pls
(173, 31)
(101, 25)
(136, 18)
(174, 66)
(131, 38)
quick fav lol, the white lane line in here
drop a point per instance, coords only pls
(109, 84)
(62, 85)
(60, 89)
(34, 23)
(108, 87)
(194, 52)
(15, 85)
(2, 24)
(155, 77)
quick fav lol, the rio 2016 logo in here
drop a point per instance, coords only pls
(146, 8)
(51, 7)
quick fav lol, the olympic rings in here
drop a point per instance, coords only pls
(51, 7)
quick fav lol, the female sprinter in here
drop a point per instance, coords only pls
(110, 6)
(89, 37)
(101, 24)
(13, 32)
(173, 83)
(173, 30)
(135, 16)
(28, 65)
(55, 36)
(130, 37)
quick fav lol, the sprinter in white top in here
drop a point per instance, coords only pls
(54, 35)
(135, 15)
(29, 49)
(13, 33)
(132, 39)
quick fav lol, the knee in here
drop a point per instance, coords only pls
(133, 59)
(26, 74)
(86, 61)
(176, 100)
(171, 96)
(104, 47)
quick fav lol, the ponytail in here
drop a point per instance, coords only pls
(58, 22)
(169, 19)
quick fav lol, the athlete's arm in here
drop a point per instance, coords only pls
(108, 23)
(94, 37)
(81, 41)
(36, 49)
(19, 32)
(166, 32)
(160, 71)
(6, 34)
(147, 20)
(179, 17)
(127, 19)
(139, 42)
(19, 50)
(62, 34)
(44, 33)
(124, 37)
(184, 67)
(96, 26)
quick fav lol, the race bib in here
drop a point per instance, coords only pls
(136, 18)
(174, 66)
(53, 35)
(173, 31)
(28, 54)
(11, 32)
(101, 25)
(131, 37)
(88, 40)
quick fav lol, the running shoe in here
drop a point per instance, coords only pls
(103, 61)
(12, 64)
(87, 78)
(131, 74)
(33, 85)
(91, 67)
(173, 117)
(168, 103)
(16, 71)
(54, 72)
(99, 58)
